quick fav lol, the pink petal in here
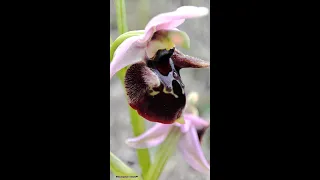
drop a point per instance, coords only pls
(128, 52)
(152, 137)
(172, 19)
(198, 122)
(190, 148)
(149, 33)
(185, 127)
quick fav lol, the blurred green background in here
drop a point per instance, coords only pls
(139, 12)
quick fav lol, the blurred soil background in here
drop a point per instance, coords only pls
(139, 12)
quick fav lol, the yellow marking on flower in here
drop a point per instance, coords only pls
(158, 44)
(182, 89)
(168, 43)
(180, 120)
(170, 92)
(153, 93)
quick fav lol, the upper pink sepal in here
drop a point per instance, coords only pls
(127, 53)
(133, 49)
(172, 19)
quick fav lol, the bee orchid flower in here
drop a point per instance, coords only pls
(190, 140)
(152, 82)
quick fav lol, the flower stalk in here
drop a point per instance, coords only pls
(138, 126)
(121, 16)
(165, 151)
(137, 122)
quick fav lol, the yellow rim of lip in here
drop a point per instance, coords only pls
(163, 43)
(180, 120)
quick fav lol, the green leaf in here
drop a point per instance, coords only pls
(118, 168)
(121, 16)
(164, 152)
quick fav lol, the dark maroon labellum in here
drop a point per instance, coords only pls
(163, 103)
(154, 86)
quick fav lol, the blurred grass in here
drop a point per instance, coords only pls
(121, 16)
(143, 13)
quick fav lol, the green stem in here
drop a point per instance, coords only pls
(137, 122)
(121, 16)
(164, 152)
(138, 127)
(119, 168)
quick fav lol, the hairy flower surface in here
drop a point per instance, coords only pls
(153, 83)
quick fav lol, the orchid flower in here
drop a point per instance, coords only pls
(152, 82)
(189, 143)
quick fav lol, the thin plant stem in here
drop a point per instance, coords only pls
(165, 151)
(121, 16)
(138, 126)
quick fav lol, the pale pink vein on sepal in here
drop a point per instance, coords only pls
(152, 137)
(128, 52)
(191, 150)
